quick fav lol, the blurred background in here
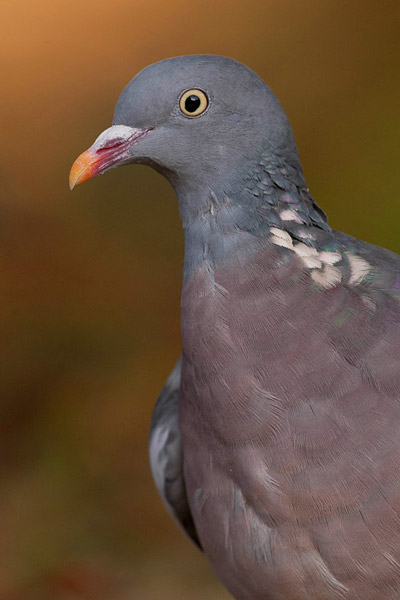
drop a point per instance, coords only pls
(90, 281)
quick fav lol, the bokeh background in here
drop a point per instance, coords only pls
(90, 281)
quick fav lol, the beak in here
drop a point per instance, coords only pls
(111, 149)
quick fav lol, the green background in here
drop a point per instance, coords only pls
(90, 281)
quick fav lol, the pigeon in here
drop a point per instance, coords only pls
(275, 443)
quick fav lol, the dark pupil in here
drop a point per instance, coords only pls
(192, 103)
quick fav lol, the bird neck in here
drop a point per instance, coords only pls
(219, 221)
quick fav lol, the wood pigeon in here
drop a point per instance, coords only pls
(275, 442)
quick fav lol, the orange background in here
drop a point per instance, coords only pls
(90, 281)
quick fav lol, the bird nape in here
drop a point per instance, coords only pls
(275, 443)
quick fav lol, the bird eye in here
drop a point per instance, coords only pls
(193, 103)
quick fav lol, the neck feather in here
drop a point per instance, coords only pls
(273, 193)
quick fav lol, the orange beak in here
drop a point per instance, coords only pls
(110, 149)
(84, 168)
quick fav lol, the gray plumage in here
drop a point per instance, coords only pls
(279, 447)
(166, 454)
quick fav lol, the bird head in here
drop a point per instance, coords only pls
(194, 119)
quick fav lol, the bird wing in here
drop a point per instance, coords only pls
(166, 454)
(340, 448)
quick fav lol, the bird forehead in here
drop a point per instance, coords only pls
(156, 88)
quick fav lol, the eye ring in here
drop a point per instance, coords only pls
(193, 103)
